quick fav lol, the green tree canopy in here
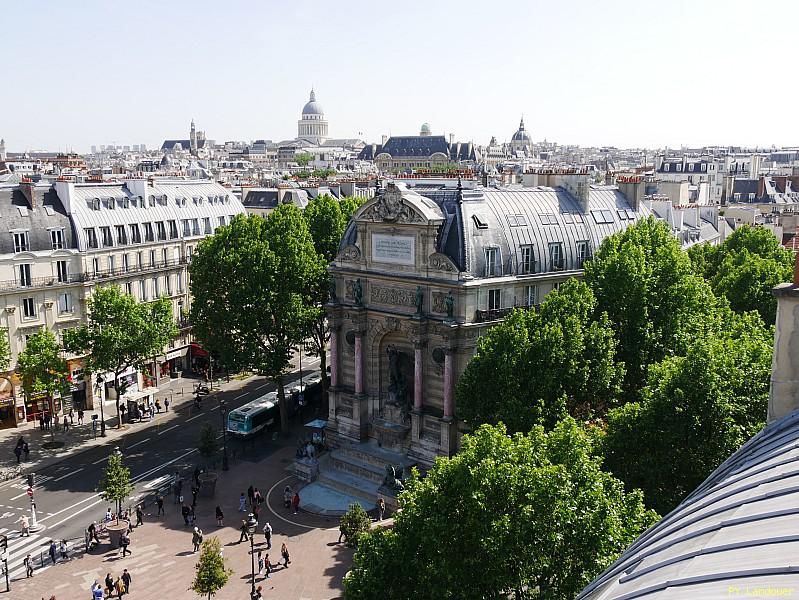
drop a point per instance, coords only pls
(695, 411)
(354, 523)
(537, 366)
(207, 444)
(531, 515)
(745, 268)
(303, 158)
(115, 485)
(644, 282)
(252, 284)
(121, 333)
(212, 574)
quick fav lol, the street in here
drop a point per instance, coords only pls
(66, 493)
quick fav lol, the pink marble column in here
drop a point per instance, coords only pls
(358, 365)
(417, 378)
(334, 357)
(449, 409)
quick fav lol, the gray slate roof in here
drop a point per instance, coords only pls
(737, 531)
(49, 213)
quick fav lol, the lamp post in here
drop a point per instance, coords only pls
(118, 452)
(102, 414)
(223, 412)
(252, 527)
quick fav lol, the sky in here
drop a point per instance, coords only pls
(618, 73)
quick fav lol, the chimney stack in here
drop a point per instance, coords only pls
(32, 195)
(784, 393)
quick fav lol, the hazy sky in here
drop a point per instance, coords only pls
(623, 73)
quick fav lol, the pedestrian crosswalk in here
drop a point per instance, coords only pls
(23, 485)
(36, 544)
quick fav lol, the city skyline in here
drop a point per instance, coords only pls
(629, 76)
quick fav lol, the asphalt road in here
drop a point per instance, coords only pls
(66, 500)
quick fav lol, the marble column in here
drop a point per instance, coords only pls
(417, 377)
(358, 364)
(449, 409)
(334, 357)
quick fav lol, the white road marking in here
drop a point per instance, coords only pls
(69, 474)
(138, 443)
(240, 396)
(25, 493)
(169, 429)
(103, 459)
(195, 417)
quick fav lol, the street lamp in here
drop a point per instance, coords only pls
(102, 414)
(223, 412)
(252, 527)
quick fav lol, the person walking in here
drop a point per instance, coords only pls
(18, 452)
(295, 502)
(26, 450)
(381, 508)
(257, 497)
(92, 531)
(258, 594)
(219, 517)
(65, 423)
(126, 580)
(62, 549)
(119, 587)
(41, 421)
(139, 515)
(341, 531)
(80, 417)
(284, 552)
(166, 404)
(184, 510)
(260, 563)
(267, 565)
(28, 562)
(242, 503)
(158, 406)
(53, 551)
(251, 496)
(124, 542)
(71, 418)
(268, 535)
(160, 502)
(197, 538)
(287, 496)
(194, 491)
(109, 584)
(25, 526)
(244, 537)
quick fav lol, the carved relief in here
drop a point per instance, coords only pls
(392, 296)
(441, 262)
(349, 254)
(438, 302)
(391, 207)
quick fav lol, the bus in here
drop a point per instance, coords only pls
(310, 387)
(255, 416)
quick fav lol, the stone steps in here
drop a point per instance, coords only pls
(347, 463)
(374, 455)
(349, 484)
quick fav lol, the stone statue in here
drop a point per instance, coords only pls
(449, 304)
(397, 392)
(419, 301)
(357, 292)
(332, 290)
(393, 478)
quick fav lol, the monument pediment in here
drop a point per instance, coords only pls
(442, 262)
(394, 205)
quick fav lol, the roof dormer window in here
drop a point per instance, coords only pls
(479, 222)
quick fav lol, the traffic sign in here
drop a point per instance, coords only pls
(30, 492)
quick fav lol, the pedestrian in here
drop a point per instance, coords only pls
(18, 452)
(268, 535)
(194, 491)
(160, 502)
(244, 537)
(184, 510)
(53, 550)
(341, 531)
(28, 562)
(219, 517)
(71, 418)
(267, 565)
(109, 584)
(158, 406)
(257, 496)
(251, 495)
(256, 511)
(284, 552)
(295, 502)
(119, 587)
(139, 515)
(65, 423)
(126, 580)
(197, 538)
(192, 515)
(381, 509)
(242, 503)
(258, 594)
(27, 450)
(41, 421)
(92, 531)
(166, 404)
(178, 489)
(108, 515)
(260, 563)
(62, 548)
(93, 590)
(287, 496)
(197, 477)
(124, 542)
(80, 417)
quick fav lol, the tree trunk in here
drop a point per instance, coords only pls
(54, 419)
(116, 388)
(323, 367)
(281, 400)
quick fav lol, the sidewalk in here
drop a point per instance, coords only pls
(163, 566)
(80, 437)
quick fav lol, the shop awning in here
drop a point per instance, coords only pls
(197, 350)
(317, 424)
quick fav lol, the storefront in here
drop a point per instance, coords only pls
(199, 359)
(77, 387)
(128, 381)
(7, 411)
(40, 404)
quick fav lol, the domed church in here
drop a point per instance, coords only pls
(521, 141)
(312, 126)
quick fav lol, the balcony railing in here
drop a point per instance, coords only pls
(41, 282)
(497, 314)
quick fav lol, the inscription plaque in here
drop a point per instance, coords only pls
(394, 249)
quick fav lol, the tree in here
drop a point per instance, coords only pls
(207, 444)
(538, 366)
(644, 282)
(745, 268)
(252, 285)
(212, 574)
(42, 369)
(695, 411)
(115, 486)
(303, 159)
(121, 334)
(354, 523)
(531, 515)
